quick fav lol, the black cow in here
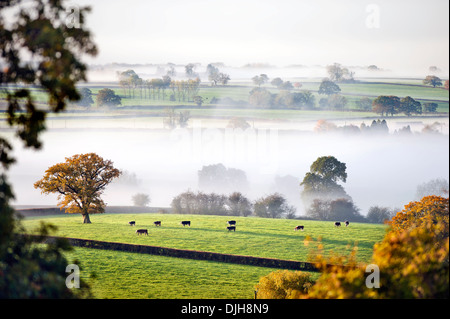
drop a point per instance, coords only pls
(346, 223)
(231, 222)
(132, 223)
(157, 223)
(231, 228)
(186, 222)
(299, 228)
(142, 231)
(337, 224)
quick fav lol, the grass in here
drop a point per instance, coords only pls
(132, 275)
(258, 237)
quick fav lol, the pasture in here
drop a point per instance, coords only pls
(133, 275)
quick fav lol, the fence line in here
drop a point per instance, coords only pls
(183, 253)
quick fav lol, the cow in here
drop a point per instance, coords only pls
(337, 224)
(346, 223)
(299, 228)
(231, 228)
(231, 222)
(186, 222)
(142, 231)
(132, 223)
(157, 223)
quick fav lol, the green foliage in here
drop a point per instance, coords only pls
(107, 97)
(386, 105)
(273, 206)
(432, 80)
(328, 87)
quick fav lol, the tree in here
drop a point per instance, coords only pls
(432, 80)
(108, 97)
(238, 122)
(239, 205)
(260, 97)
(328, 87)
(409, 106)
(321, 180)
(386, 105)
(276, 82)
(336, 209)
(337, 101)
(189, 70)
(260, 79)
(86, 98)
(430, 107)
(273, 206)
(219, 178)
(438, 187)
(364, 103)
(338, 73)
(378, 214)
(141, 199)
(38, 49)
(79, 183)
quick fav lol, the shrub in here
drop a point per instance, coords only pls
(284, 284)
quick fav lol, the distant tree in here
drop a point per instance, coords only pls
(446, 85)
(86, 97)
(276, 82)
(198, 100)
(321, 180)
(328, 87)
(437, 187)
(260, 79)
(297, 85)
(79, 183)
(261, 98)
(219, 178)
(386, 105)
(432, 80)
(239, 205)
(364, 103)
(189, 71)
(337, 102)
(338, 73)
(140, 199)
(379, 215)
(287, 85)
(107, 97)
(410, 106)
(430, 107)
(273, 206)
(129, 80)
(339, 209)
(238, 122)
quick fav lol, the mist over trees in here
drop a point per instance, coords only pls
(217, 177)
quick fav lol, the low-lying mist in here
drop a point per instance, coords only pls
(382, 170)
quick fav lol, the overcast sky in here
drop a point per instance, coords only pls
(390, 34)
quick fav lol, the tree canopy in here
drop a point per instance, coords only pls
(79, 183)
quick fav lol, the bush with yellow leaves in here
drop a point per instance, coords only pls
(284, 284)
(413, 260)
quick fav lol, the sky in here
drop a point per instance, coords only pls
(390, 34)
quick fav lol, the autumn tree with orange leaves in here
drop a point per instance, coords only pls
(79, 183)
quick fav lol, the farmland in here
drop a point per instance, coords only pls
(117, 272)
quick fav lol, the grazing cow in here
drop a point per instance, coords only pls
(186, 222)
(299, 228)
(337, 224)
(231, 228)
(132, 223)
(157, 223)
(346, 223)
(142, 231)
(231, 222)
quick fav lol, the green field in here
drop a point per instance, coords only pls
(131, 275)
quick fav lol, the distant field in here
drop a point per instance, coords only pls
(133, 275)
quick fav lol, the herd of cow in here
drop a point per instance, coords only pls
(231, 226)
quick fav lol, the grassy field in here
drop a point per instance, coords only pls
(131, 275)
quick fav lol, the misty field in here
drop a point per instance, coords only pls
(132, 275)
